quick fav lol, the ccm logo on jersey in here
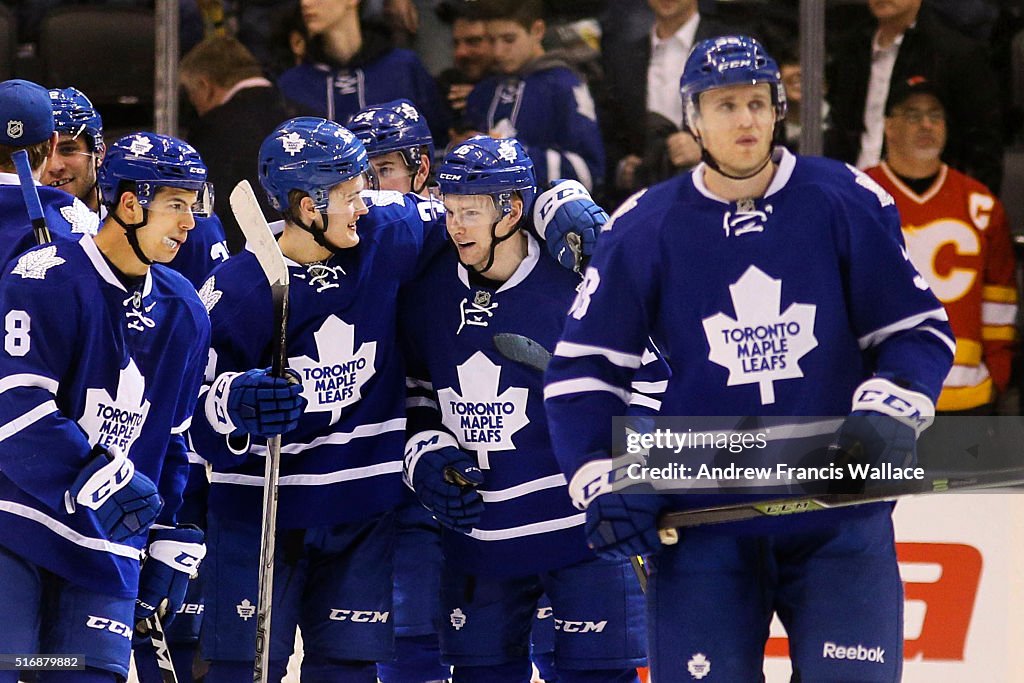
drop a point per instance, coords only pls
(856, 652)
(360, 616)
(567, 626)
(104, 624)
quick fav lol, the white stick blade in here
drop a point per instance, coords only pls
(258, 237)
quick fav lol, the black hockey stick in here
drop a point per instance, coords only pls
(260, 241)
(160, 649)
(530, 353)
(30, 195)
(779, 507)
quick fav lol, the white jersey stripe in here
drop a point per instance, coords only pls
(583, 385)
(26, 420)
(528, 529)
(623, 360)
(393, 467)
(67, 533)
(527, 487)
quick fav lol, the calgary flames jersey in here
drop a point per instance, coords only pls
(957, 236)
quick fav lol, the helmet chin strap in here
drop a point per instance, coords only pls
(319, 235)
(130, 231)
(706, 157)
(495, 241)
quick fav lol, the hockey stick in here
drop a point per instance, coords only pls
(779, 507)
(260, 241)
(532, 354)
(160, 649)
(30, 195)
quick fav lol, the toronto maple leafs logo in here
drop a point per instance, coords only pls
(383, 197)
(482, 419)
(337, 378)
(117, 419)
(140, 145)
(408, 111)
(292, 143)
(363, 117)
(34, 264)
(507, 151)
(699, 666)
(761, 345)
(209, 294)
(80, 217)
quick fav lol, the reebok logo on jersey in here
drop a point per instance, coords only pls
(104, 624)
(856, 652)
(359, 616)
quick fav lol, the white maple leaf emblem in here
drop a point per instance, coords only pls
(34, 264)
(408, 111)
(209, 294)
(482, 419)
(383, 197)
(292, 143)
(337, 379)
(81, 218)
(140, 145)
(507, 151)
(117, 420)
(761, 345)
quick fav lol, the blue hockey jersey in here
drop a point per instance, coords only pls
(459, 382)
(85, 361)
(778, 306)
(205, 248)
(338, 93)
(344, 460)
(550, 111)
(65, 215)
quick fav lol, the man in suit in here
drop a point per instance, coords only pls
(237, 109)
(641, 112)
(905, 40)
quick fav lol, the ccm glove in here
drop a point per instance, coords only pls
(618, 525)
(570, 222)
(124, 502)
(254, 402)
(444, 480)
(172, 559)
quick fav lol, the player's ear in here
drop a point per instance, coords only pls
(537, 30)
(516, 212)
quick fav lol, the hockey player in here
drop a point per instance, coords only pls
(26, 122)
(102, 360)
(755, 239)
(73, 167)
(348, 250)
(477, 418)
(536, 97)
(400, 149)
(951, 221)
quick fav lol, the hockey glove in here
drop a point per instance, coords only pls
(172, 558)
(618, 525)
(436, 481)
(570, 222)
(124, 502)
(254, 402)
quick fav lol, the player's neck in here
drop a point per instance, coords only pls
(733, 190)
(343, 40)
(113, 244)
(299, 246)
(908, 167)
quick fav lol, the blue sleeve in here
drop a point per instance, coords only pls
(43, 450)
(894, 314)
(205, 249)
(579, 152)
(590, 377)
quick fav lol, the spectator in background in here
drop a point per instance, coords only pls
(473, 58)
(642, 112)
(904, 40)
(792, 77)
(351, 64)
(536, 97)
(237, 108)
(957, 237)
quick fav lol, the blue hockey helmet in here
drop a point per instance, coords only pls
(394, 126)
(724, 61)
(312, 155)
(485, 165)
(74, 115)
(152, 161)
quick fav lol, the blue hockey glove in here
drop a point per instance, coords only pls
(875, 439)
(124, 502)
(444, 481)
(254, 402)
(624, 525)
(172, 558)
(570, 222)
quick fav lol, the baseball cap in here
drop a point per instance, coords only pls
(26, 115)
(901, 91)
